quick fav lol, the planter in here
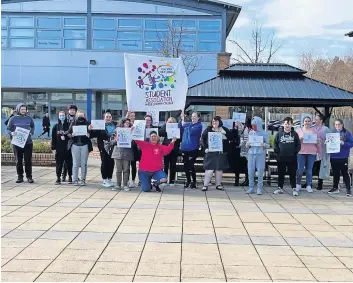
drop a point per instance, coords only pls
(38, 159)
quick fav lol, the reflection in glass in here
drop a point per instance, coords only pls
(75, 22)
(22, 32)
(103, 44)
(104, 23)
(209, 25)
(129, 23)
(45, 22)
(104, 34)
(21, 21)
(47, 33)
(22, 42)
(74, 33)
(49, 43)
(75, 43)
(129, 45)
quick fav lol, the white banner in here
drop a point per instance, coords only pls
(20, 138)
(155, 83)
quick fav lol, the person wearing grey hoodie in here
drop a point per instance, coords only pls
(257, 155)
(21, 120)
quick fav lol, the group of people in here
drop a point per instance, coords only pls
(157, 154)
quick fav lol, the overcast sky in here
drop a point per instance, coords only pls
(302, 25)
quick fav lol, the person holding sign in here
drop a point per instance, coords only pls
(79, 144)
(191, 134)
(22, 121)
(323, 164)
(151, 164)
(123, 154)
(170, 160)
(59, 141)
(307, 154)
(215, 142)
(257, 144)
(339, 161)
(106, 134)
(286, 146)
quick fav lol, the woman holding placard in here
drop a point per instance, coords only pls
(80, 144)
(215, 141)
(170, 160)
(258, 142)
(307, 155)
(105, 135)
(123, 154)
(339, 160)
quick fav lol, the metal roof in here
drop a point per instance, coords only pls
(267, 85)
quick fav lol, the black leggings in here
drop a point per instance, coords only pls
(107, 165)
(189, 158)
(133, 170)
(340, 165)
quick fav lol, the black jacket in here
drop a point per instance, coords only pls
(234, 141)
(204, 138)
(46, 122)
(286, 145)
(8, 119)
(101, 135)
(60, 130)
(166, 141)
(79, 140)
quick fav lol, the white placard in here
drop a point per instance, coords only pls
(124, 137)
(155, 83)
(138, 132)
(155, 116)
(309, 137)
(79, 130)
(98, 124)
(256, 140)
(21, 137)
(228, 123)
(302, 117)
(149, 130)
(239, 117)
(215, 142)
(333, 143)
(173, 130)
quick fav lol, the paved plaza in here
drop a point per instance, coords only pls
(67, 233)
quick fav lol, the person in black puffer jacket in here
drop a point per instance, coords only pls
(108, 135)
(170, 160)
(80, 147)
(234, 152)
(59, 141)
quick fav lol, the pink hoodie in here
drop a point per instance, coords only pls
(307, 148)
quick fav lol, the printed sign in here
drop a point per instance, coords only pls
(173, 130)
(149, 130)
(309, 137)
(333, 143)
(215, 142)
(20, 138)
(138, 132)
(228, 123)
(155, 83)
(239, 117)
(155, 116)
(98, 124)
(124, 137)
(79, 130)
(256, 140)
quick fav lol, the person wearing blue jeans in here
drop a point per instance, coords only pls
(305, 163)
(256, 155)
(146, 178)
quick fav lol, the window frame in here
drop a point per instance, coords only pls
(210, 20)
(19, 17)
(74, 27)
(49, 17)
(111, 39)
(141, 27)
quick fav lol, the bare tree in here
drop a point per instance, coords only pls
(263, 47)
(174, 44)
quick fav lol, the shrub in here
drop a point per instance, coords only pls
(38, 146)
(272, 141)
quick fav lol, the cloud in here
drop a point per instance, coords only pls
(243, 20)
(303, 18)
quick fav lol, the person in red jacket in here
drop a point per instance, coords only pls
(151, 172)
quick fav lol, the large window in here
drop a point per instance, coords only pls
(209, 35)
(75, 33)
(21, 32)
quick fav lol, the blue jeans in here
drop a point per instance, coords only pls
(146, 177)
(256, 162)
(307, 161)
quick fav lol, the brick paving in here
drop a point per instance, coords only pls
(67, 233)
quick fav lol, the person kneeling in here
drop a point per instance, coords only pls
(151, 172)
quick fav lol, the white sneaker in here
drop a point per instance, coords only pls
(298, 188)
(295, 192)
(309, 189)
(115, 188)
(106, 183)
(278, 191)
(126, 188)
(172, 184)
(132, 185)
(110, 182)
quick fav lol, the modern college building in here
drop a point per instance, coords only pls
(56, 53)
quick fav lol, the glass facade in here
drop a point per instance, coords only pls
(109, 33)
